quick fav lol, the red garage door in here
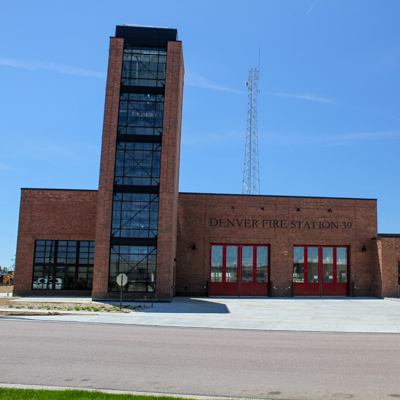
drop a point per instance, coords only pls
(320, 270)
(239, 270)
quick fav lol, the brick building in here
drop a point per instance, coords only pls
(76, 242)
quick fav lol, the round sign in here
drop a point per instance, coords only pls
(122, 279)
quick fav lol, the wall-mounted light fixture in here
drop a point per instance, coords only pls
(329, 209)
(364, 249)
(233, 207)
(175, 259)
(194, 246)
(298, 210)
(263, 208)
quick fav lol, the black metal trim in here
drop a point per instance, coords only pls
(136, 189)
(133, 241)
(274, 196)
(146, 36)
(388, 235)
(65, 190)
(139, 138)
(142, 89)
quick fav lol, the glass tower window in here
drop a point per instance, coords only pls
(137, 164)
(135, 215)
(137, 168)
(144, 67)
(138, 263)
(140, 114)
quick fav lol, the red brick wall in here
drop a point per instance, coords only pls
(50, 215)
(169, 179)
(389, 257)
(107, 163)
(195, 211)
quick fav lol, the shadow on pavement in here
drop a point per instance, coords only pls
(187, 305)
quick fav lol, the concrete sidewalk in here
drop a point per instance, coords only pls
(368, 315)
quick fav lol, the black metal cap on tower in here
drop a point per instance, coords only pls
(136, 35)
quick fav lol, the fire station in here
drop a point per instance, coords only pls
(169, 243)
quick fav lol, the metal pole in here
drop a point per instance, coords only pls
(120, 300)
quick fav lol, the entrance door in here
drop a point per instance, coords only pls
(320, 271)
(239, 270)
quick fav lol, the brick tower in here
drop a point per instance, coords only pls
(136, 226)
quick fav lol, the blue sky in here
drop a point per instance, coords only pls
(328, 111)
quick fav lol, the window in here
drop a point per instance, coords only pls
(216, 264)
(63, 265)
(137, 164)
(140, 114)
(298, 264)
(321, 264)
(138, 263)
(144, 67)
(137, 169)
(135, 215)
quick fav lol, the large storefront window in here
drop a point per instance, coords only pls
(326, 269)
(239, 270)
(63, 265)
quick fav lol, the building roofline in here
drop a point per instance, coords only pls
(68, 190)
(388, 235)
(285, 196)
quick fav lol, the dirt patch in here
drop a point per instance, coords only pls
(47, 308)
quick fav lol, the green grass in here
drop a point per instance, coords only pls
(30, 394)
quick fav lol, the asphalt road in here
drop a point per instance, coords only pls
(234, 363)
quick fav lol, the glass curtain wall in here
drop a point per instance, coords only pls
(137, 169)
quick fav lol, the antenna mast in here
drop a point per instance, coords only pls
(251, 173)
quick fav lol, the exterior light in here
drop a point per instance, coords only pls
(364, 249)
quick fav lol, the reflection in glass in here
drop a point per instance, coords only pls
(216, 264)
(57, 263)
(341, 264)
(231, 263)
(247, 264)
(262, 264)
(135, 215)
(327, 257)
(312, 264)
(298, 264)
(138, 262)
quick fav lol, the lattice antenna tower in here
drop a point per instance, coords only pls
(251, 172)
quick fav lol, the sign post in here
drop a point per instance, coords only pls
(122, 280)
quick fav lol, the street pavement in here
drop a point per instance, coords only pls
(352, 315)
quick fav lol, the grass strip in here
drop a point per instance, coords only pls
(32, 394)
